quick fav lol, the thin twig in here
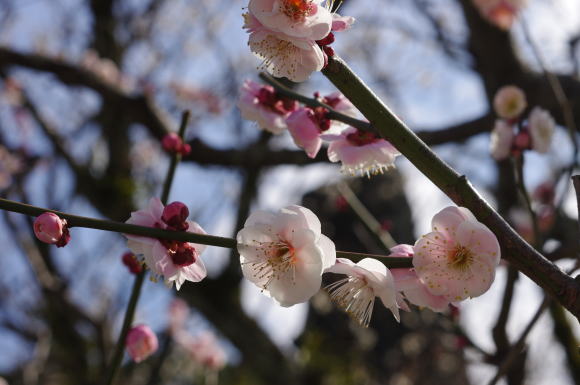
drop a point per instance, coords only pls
(519, 345)
(182, 236)
(138, 284)
(366, 216)
(519, 172)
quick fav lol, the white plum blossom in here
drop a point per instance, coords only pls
(304, 19)
(285, 253)
(502, 138)
(509, 102)
(457, 260)
(365, 281)
(541, 126)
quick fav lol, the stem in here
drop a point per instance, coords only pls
(519, 345)
(312, 102)
(519, 171)
(514, 249)
(182, 236)
(138, 284)
(365, 216)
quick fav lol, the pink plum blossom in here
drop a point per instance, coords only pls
(141, 342)
(509, 102)
(457, 260)
(304, 126)
(260, 103)
(502, 138)
(175, 261)
(361, 153)
(365, 281)
(304, 19)
(50, 228)
(285, 253)
(541, 126)
(173, 144)
(415, 291)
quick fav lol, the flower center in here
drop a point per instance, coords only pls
(355, 296)
(280, 260)
(267, 97)
(460, 258)
(297, 10)
(361, 138)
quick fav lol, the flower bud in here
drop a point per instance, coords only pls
(141, 342)
(50, 228)
(172, 143)
(134, 266)
(175, 215)
(509, 102)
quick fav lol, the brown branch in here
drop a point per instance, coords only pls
(514, 249)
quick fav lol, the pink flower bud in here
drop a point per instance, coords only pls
(141, 342)
(175, 215)
(50, 228)
(172, 143)
(134, 266)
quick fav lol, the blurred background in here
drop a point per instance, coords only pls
(88, 89)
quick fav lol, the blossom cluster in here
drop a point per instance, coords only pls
(360, 152)
(292, 37)
(175, 261)
(512, 133)
(285, 255)
(501, 13)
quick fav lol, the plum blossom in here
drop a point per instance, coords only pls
(261, 104)
(304, 19)
(458, 258)
(509, 102)
(365, 281)
(284, 253)
(283, 55)
(361, 153)
(50, 228)
(415, 291)
(304, 125)
(541, 126)
(502, 138)
(141, 342)
(176, 261)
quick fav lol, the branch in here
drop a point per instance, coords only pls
(514, 249)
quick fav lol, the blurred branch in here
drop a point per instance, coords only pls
(366, 216)
(520, 344)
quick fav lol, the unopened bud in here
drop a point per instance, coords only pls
(175, 215)
(141, 342)
(50, 228)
